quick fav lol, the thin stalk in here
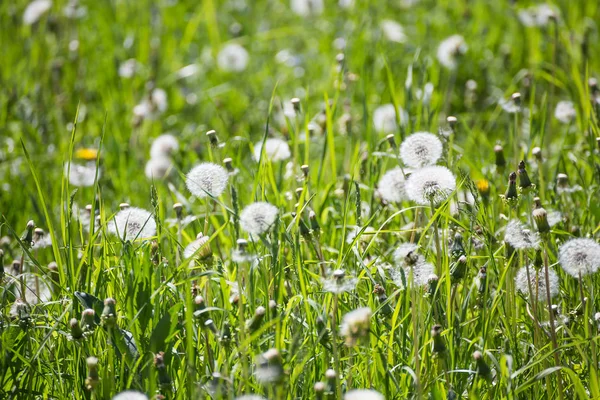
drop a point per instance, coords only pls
(551, 318)
(334, 345)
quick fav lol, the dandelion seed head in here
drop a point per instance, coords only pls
(35, 10)
(207, 178)
(130, 395)
(509, 105)
(405, 250)
(449, 49)
(565, 111)
(537, 280)
(393, 31)
(132, 223)
(275, 150)
(579, 256)
(422, 273)
(258, 218)
(339, 282)
(430, 184)
(82, 175)
(391, 186)
(128, 68)
(520, 237)
(538, 15)
(151, 107)
(421, 149)
(306, 8)
(233, 58)
(158, 167)
(199, 247)
(363, 394)
(164, 146)
(384, 118)
(356, 324)
(269, 368)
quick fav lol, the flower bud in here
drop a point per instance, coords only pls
(438, 342)
(452, 121)
(88, 321)
(483, 370)
(178, 208)
(296, 104)
(540, 216)
(254, 323)
(392, 141)
(93, 378)
(516, 98)
(109, 314)
(500, 160)
(76, 331)
(537, 153)
(212, 137)
(28, 238)
(124, 206)
(305, 170)
(163, 377)
(511, 191)
(269, 367)
(524, 181)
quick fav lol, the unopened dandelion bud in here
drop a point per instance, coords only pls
(228, 162)
(254, 323)
(28, 238)
(305, 170)
(76, 331)
(340, 58)
(212, 137)
(524, 181)
(540, 216)
(225, 336)
(16, 267)
(88, 208)
(386, 309)
(296, 104)
(109, 314)
(163, 377)
(459, 268)
(124, 206)
(439, 346)
(272, 305)
(500, 160)
(93, 377)
(511, 191)
(562, 181)
(516, 98)
(392, 141)
(319, 389)
(537, 153)
(88, 321)
(298, 192)
(38, 234)
(178, 208)
(457, 249)
(482, 279)
(452, 121)
(330, 376)
(483, 370)
(269, 367)
(210, 324)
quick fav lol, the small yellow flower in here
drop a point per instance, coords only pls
(87, 154)
(483, 185)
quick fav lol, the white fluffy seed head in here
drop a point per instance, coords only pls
(164, 146)
(579, 256)
(384, 118)
(393, 31)
(306, 8)
(275, 150)
(363, 394)
(35, 10)
(207, 178)
(158, 167)
(133, 223)
(449, 49)
(421, 149)
(233, 58)
(520, 237)
(356, 324)
(391, 186)
(565, 112)
(258, 218)
(430, 184)
(82, 175)
(199, 247)
(422, 272)
(537, 280)
(130, 395)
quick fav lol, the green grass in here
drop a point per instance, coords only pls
(55, 101)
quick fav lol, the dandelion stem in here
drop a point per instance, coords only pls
(336, 355)
(552, 325)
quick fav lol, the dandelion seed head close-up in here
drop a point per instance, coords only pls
(207, 179)
(521, 237)
(579, 257)
(258, 218)
(537, 283)
(391, 186)
(432, 184)
(132, 223)
(421, 149)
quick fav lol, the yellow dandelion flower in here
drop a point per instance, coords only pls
(86, 153)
